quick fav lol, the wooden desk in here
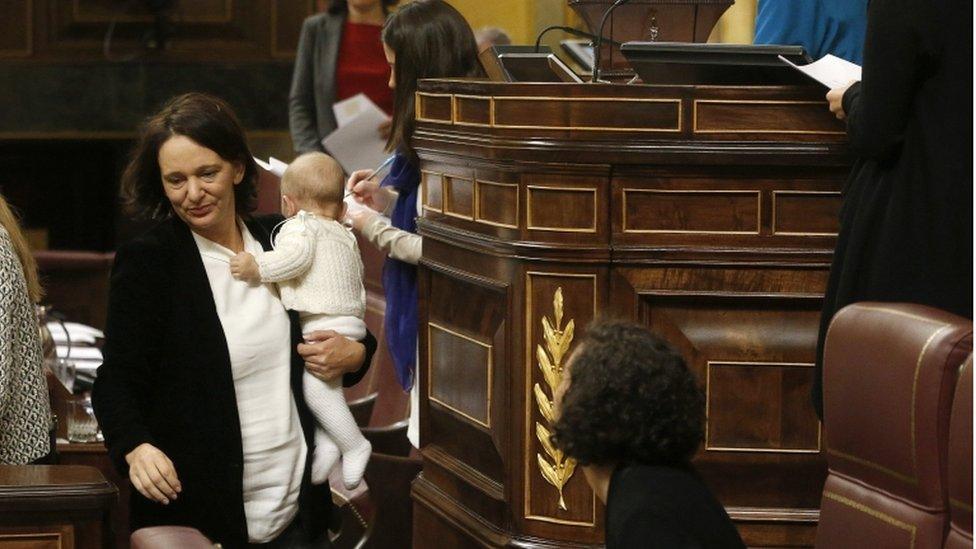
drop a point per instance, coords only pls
(54, 506)
(708, 213)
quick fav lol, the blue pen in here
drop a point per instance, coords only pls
(385, 163)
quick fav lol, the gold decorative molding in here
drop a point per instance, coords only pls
(540, 188)
(550, 361)
(712, 192)
(421, 116)
(477, 201)
(550, 99)
(776, 196)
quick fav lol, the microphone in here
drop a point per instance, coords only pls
(568, 30)
(599, 40)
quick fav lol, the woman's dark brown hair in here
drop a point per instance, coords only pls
(631, 399)
(342, 6)
(209, 122)
(430, 40)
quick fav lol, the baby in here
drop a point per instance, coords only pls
(317, 266)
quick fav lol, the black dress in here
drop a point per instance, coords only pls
(650, 507)
(906, 226)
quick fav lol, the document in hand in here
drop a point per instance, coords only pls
(829, 70)
(357, 143)
(273, 165)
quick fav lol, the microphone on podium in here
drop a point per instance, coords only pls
(599, 40)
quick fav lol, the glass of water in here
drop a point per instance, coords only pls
(82, 425)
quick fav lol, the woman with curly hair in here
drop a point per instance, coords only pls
(632, 415)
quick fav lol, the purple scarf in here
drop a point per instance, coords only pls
(399, 278)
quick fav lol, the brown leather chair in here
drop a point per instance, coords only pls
(960, 467)
(889, 375)
(76, 283)
(167, 537)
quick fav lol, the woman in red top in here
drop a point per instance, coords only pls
(340, 54)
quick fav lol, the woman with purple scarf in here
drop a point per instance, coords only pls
(424, 39)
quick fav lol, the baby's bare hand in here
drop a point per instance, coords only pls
(244, 267)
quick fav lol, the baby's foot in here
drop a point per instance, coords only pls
(325, 457)
(354, 464)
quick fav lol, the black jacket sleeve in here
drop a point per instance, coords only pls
(352, 378)
(124, 381)
(878, 108)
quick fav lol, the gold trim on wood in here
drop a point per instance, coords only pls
(419, 111)
(28, 49)
(547, 99)
(883, 517)
(527, 461)
(491, 110)
(528, 209)
(694, 117)
(708, 385)
(758, 194)
(447, 196)
(799, 193)
(477, 203)
(486, 422)
(550, 362)
(423, 184)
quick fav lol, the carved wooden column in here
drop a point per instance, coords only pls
(708, 214)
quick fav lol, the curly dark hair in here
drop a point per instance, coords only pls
(210, 122)
(631, 399)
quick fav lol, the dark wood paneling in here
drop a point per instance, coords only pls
(467, 394)
(699, 211)
(193, 30)
(17, 29)
(808, 213)
(724, 116)
(458, 196)
(498, 203)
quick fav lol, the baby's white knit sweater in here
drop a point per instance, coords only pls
(317, 266)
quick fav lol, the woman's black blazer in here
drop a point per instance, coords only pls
(166, 380)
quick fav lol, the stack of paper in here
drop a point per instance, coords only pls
(829, 70)
(357, 143)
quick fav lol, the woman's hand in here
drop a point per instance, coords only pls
(358, 218)
(836, 99)
(364, 188)
(328, 355)
(153, 474)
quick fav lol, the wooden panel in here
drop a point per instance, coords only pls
(574, 296)
(45, 537)
(190, 11)
(561, 209)
(17, 29)
(458, 196)
(806, 213)
(472, 110)
(459, 377)
(432, 191)
(763, 116)
(286, 26)
(435, 107)
(691, 211)
(760, 406)
(497, 204)
(622, 114)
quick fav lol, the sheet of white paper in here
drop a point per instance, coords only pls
(829, 70)
(273, 165)
(79, 332)
(80, 353)
(347, 109)
(358, 145)
(86, 365)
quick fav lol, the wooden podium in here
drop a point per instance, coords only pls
(708, 213)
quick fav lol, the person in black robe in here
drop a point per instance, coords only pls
(906, 225)
(631, 414)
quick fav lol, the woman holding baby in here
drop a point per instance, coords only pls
(200, 395)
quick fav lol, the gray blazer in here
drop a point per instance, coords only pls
(313, 84)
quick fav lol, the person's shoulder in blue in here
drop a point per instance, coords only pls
(820, 26)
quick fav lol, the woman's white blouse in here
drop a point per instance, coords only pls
(259, 342)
